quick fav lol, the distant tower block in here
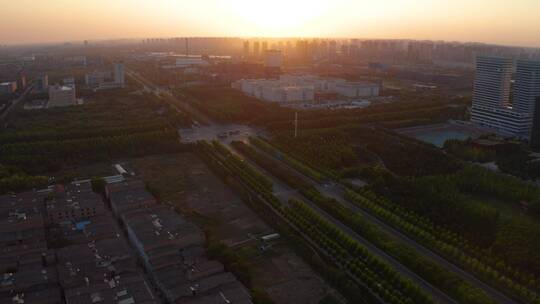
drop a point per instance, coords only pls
(119, 77)
(273, 60)
(256, 49)
(42, 83)
(535, 132)
(246, 49)
(526, 86)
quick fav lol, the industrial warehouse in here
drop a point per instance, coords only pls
(305, 88)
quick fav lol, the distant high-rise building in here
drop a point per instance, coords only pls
(420, 52)
(246, 49)
(273, 59)
(332, 49)
(119, 77)
(492, 82)
(323, 49)
(345, 50)
(288, 48)
(527, 85)
(302, 50)
(256, 49)
(42, 83)
(95, 79)
(535, 132)
(491, 99)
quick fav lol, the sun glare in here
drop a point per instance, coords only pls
(278, 15)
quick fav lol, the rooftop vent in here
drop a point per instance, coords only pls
(18, 299)
(96, 297)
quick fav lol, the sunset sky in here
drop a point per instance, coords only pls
(515, 22)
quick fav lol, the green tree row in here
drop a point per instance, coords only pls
(435, 274)
(45, 156)
(451, 246)
(273, 166)
(216, 158)
(299, 166)
(378, 276)
(13, 179)
(65, 134)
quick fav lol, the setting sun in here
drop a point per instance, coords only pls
(462, 20)
(278, 17)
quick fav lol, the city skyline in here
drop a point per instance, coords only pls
(492, 22)
(277, 152)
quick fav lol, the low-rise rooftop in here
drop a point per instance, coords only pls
(84, 231)
(128, 195)
(84, 264)
(28, 278)
(51, 295)
(236, 295)
(123, 289)
(157, 231)
(22, 202)
(205, 286)
(74, 201)
(20, 226)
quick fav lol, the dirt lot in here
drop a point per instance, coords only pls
(185, 181)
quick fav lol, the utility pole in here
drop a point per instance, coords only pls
(295, 124)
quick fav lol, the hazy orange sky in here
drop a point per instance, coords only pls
(515, 22)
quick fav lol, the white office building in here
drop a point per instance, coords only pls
(357, 89)
(107, 79)
(492, 81)
(296, 88)
(276, 90)
(96, 78)
(62, 96)
(491, 105)
(503, 120)
(527, 85)
(187, 62)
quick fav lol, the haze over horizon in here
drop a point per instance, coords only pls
(495, 21)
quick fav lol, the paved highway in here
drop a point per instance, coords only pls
(336, 191)
(15, 102)
(168, 97)
(284, 193)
